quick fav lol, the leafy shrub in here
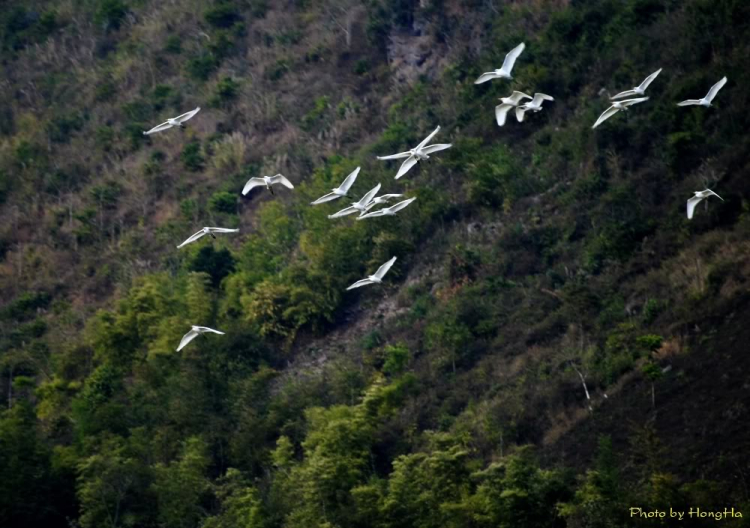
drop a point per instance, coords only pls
(27, 27)
(223, 202)
(105, 90)
(191, 157)
(361, 67)
(106, 194)
(221, 45)
(200, 68)
(218, 264)
(496, 177)
(396, 359)
(288, 38)
(319, 108)
(277, 70)
(110, 13)
(223, 15)
(60, 128)
(26, 305)
(173, 45)
(138, 110)
(226, 90)
(164, 95)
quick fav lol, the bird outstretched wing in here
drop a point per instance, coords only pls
(158, 128)
(381, 212)
(187, 115)
(192, 334)
(395, 156)
(501, 112)
(223, 230)
(691, 203)
(405, 166)
(609, 112)
(359, 283)
(369, 195)
(486, 76)
(715, 89)
(397, 207)
(648, 80)
(252, 183)
(510, 58)
(631, 102)
(516, 97)
(428, 138)
(349, 181)
(279, 178)
(437, 147)
(520, 111)
(349, 210)
(382, 270)
(326, 198)
(192, 238)
(626, 93)
(540, 97)
(211, 330)
(689, 102)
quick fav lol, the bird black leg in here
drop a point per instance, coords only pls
(271, 189)
(213, 235)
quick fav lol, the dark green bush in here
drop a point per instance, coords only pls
(361, 67)
(173, 45)
(223, 202)
(200, 68)
(191, 157)
(223, 15)
(60, 128)
(110, 13)
(27, 305)
(277, 70)
(218, 264)
(226, 90)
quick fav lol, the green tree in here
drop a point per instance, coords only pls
(241, 506)
(181, 487)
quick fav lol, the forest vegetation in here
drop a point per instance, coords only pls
(538, 257)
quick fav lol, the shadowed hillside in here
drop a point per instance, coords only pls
(555, 344)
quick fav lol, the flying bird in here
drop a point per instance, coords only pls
(535, 105)
(360, 206)
(706, 101)
(504, 72)
(194, 332)
(418, 153)
(616, 107)
(267, 181)
(695, 200)
(640, 89)
(339, 191)
(506, 103)
(207, 231)
(378, 200)
(377, 278)
(388, 211)
(178, 121)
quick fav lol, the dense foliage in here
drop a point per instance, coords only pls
(553, 327)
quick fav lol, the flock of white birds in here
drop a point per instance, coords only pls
(421, 153)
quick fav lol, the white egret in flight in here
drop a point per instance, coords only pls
(376, 278)
(178, 121)
(706, 101)
(504, 72)
(194, 332)
(207, 231)
(418, 153)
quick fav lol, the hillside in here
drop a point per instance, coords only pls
(542, 262)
